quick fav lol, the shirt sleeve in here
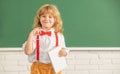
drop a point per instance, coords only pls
(62, 42)
(33, 44)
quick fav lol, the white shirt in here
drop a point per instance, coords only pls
(46, 43)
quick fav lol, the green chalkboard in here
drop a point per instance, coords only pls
(87, 23)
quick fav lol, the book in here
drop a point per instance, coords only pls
(58, 63)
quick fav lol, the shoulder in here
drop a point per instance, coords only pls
(60, 35)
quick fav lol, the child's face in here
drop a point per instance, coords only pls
(47, 21)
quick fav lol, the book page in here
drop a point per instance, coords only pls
(58, 63)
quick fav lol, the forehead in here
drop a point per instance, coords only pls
(47, 13)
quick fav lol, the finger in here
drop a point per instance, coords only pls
(37, 32)
(33, 32)
(60, 54)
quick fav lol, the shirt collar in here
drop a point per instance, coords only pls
(52, 30)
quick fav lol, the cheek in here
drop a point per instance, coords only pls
(52, 21)
(40, 20)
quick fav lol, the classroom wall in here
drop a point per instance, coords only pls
(14, 61)
(86, 23)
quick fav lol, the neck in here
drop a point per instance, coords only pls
(46, 29)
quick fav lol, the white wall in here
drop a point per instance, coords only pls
(14, 61)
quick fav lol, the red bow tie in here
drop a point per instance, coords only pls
(45, 33)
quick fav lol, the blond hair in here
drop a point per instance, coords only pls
(52, 9)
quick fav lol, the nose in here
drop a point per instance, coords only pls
(47, 18)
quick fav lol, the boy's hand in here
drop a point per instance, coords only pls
(62, 52)
(36, 31)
